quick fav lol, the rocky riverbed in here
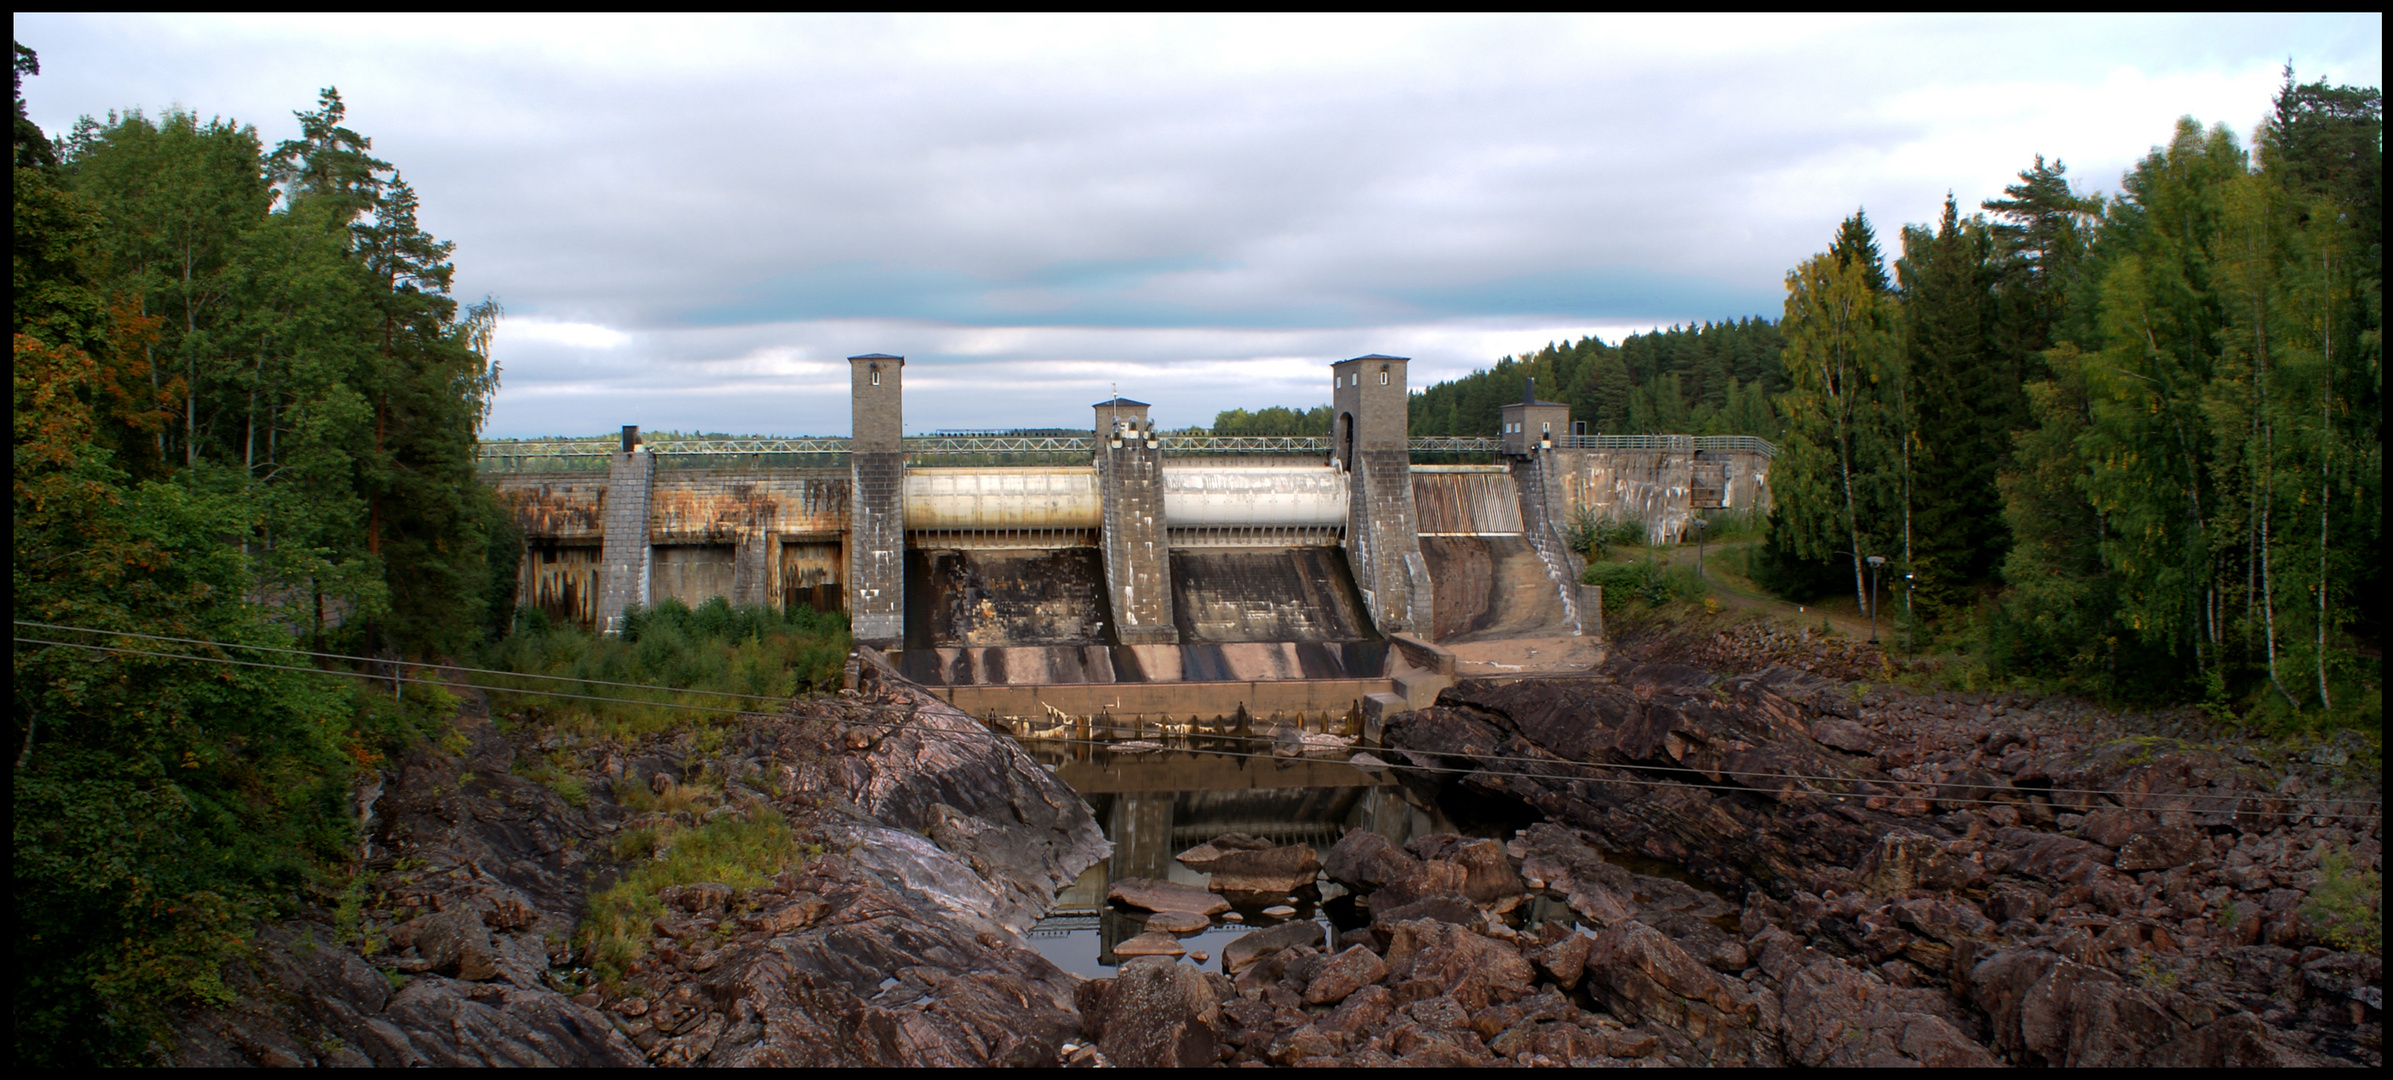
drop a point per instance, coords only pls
(1782, 867)
(898, 943)
(1754, 856)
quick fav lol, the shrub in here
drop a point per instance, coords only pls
(2347, 909)
(716, 657)
(1647, 582)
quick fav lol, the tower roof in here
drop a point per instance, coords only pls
(1121, 403)
(1373, 356)
(876, 356)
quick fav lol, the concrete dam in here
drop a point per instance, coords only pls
(1151, 581)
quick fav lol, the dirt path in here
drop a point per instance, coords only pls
(1747, 599)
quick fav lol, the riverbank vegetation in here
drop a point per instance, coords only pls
(245, 415)
(719, 659)
(2127, 445)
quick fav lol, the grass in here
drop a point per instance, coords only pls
(715, 657)
(743, 850)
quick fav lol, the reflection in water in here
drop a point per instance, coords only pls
(1154, 806)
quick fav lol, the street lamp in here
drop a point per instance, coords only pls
(1875, 561)
(1910, 621)
(1699, 547)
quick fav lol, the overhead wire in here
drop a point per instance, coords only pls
(980, 729)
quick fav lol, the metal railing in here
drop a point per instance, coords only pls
(545, 454)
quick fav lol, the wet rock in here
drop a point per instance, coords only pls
(1177, 922)
(1244, 950)
(1150, 945)
(1156, 895)
(1259, 872)
(1154, 1014)
(1344, 974)
(1202, 857)
(1364, 860)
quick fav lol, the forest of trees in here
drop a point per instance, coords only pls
(2132, 444)
(1713, 379)
(2129, 445)
(245, 412)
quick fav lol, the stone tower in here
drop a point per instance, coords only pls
(1371, 437)
(877, 529)
(1136, 547)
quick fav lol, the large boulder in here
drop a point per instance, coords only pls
(1244, 950)
(1364, 861)
(1153, 1014)
(1465, 965)
(1643, 976)
(1243, 866)
(1154, 894)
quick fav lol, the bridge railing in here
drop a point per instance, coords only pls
(546, 455)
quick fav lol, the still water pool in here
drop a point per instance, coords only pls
(1157, 804)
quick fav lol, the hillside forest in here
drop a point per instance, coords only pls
(245, 413)
(2126, 444)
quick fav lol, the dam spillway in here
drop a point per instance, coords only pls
(1128, 572)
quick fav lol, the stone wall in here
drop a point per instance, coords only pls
(624, 554)
(1654, 486)
(876, 584)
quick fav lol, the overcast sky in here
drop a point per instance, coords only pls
(691, 222)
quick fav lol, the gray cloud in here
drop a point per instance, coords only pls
(1167, 196)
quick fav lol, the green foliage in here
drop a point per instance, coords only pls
(1712, 379)
(1643, 582)
(244, 413)
(2347, 908)
(1594, 536)
(1276, 420)
(719, 648)
(744, 850)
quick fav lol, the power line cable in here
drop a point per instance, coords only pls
(981, 731)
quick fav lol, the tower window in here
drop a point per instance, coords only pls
(876, 375)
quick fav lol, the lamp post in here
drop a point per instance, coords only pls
(1875, 561)
(1699, 523)
(1910, 621)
